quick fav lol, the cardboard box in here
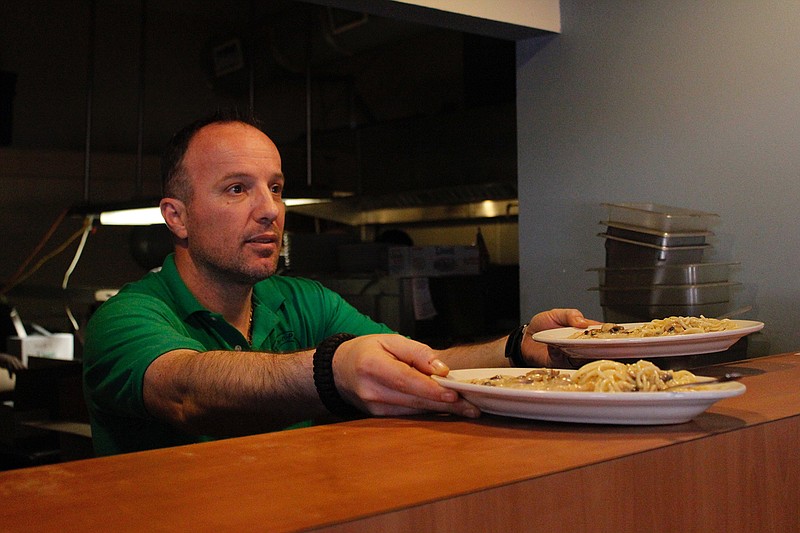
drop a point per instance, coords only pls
(433, 261)
(55, 346)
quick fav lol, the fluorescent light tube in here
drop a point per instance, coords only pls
(143, 216)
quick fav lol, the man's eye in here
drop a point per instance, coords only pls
(277, 189)
(236, 189)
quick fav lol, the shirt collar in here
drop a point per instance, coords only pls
(185, 301)
(264, 294)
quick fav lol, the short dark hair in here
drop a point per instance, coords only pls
(173, 180)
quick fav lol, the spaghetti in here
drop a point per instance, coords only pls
(674, 325)
(598, 376)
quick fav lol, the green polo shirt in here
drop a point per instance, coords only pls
(158, 314)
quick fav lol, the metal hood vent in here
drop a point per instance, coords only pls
(466, 202)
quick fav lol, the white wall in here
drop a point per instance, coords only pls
(691, 104)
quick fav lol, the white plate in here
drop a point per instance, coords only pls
(644, 347)
(629, 408)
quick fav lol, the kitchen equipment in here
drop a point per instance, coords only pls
(697, 294)
(625, 253)
(639, 313)
(655, 268)
(656, 237)
(665, 274)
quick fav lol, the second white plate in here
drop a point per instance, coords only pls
(646, 347)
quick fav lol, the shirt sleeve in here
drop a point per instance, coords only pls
(125, 335)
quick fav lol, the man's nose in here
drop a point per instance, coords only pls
(267, 204)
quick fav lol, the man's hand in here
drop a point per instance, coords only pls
(539, 354)
(388, 375)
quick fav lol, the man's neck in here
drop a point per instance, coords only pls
(231, 300)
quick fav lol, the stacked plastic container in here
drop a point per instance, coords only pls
(655, 264)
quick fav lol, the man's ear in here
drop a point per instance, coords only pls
(174, 212)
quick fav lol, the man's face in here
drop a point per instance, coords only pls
(233, 221)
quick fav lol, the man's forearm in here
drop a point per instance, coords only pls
(224, 393)
(492, 354)
(489, 354)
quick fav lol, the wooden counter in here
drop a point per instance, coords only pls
(734, 468)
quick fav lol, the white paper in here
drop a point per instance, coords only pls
(423, 302)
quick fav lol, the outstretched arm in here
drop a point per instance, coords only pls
(492, 354)
(238, 393)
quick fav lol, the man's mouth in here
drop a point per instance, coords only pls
(264, 238)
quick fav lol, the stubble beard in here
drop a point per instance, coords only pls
(237, 269)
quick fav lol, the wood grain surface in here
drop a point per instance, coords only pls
(733, 468)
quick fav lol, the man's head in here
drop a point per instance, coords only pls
(223, 188)
(174, 182)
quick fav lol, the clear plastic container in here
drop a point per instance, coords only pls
(660, 217)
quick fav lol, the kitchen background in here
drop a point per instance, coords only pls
(383, 109)
(690, 105)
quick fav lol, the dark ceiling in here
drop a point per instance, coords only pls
(383, 100)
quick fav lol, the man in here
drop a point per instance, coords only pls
(215, 344)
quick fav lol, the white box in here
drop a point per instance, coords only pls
(55, 346)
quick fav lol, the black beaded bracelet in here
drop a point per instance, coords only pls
(323, 377)
(514, 347)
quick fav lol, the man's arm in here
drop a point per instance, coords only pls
(492, 354)
(235, 393)
(225, 393)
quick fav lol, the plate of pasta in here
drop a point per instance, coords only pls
(666, 337)
(600, 392)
